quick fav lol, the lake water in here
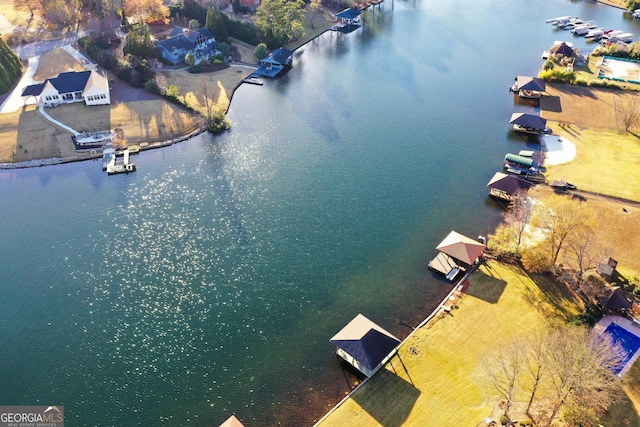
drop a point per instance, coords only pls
(209, 282)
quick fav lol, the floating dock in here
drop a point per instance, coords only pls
(124, 166)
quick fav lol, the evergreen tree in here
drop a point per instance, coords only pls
(216, 25)
(10, 67)
(139, 43)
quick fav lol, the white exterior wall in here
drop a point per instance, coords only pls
(96, 96)
(49, 95)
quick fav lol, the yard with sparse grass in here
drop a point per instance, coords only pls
(592, 118)
(438, 379)
(618, 229)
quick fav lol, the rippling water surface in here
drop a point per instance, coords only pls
(209, 282)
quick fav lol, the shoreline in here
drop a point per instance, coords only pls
(456, 292)
(35, 163)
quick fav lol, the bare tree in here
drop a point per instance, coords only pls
(519, 214)
(503, 368)
(631, 113)
(585, 251)
(560, 220)
(534, 371)
(580, 368)
(207, 97)
(146, 10)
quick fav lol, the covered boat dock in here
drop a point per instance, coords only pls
(456, 253)
(365, 345)
(529, 87)
(504, 186)
(529, 123)
(347, 20)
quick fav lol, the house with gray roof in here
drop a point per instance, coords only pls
(90, 87)
(201, 43)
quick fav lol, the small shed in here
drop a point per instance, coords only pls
(607, 267)
(365, 345)
(504, 186)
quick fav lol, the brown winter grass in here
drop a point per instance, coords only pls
(617, 232)
(220, 85)
(6, 7)
(55, 62)
(438, 379)
(606, 154)
(26, 135)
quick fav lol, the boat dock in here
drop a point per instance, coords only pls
(445, 265)
(116, 166)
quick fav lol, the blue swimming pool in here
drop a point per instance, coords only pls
(629, 342)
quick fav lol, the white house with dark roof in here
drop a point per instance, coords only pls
(182, 41)
(90, 87)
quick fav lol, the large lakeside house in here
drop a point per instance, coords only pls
(90, 87)
(201, 43)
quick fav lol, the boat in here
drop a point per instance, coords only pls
(622, 38)
(611, 34)
(559, 18)
(526, 153)
(595, 34)
(584, 28)
(636, 14)
(521, 165)
(91, 140)
(561, 21)
(254, 81)
(574, 22)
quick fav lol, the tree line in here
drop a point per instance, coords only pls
(10, 67)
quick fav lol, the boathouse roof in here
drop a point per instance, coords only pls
(528, 121)
(350, 13)
(508, 184)
(531, 83)
(232, 421)
(368, 343)
(562, 48)
(461, 247)
(281, 55)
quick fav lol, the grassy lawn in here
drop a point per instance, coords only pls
(606, 162)
(220, 84)
(438, 380)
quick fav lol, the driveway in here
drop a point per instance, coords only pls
(14, 101)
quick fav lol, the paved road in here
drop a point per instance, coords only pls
(29, 50)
